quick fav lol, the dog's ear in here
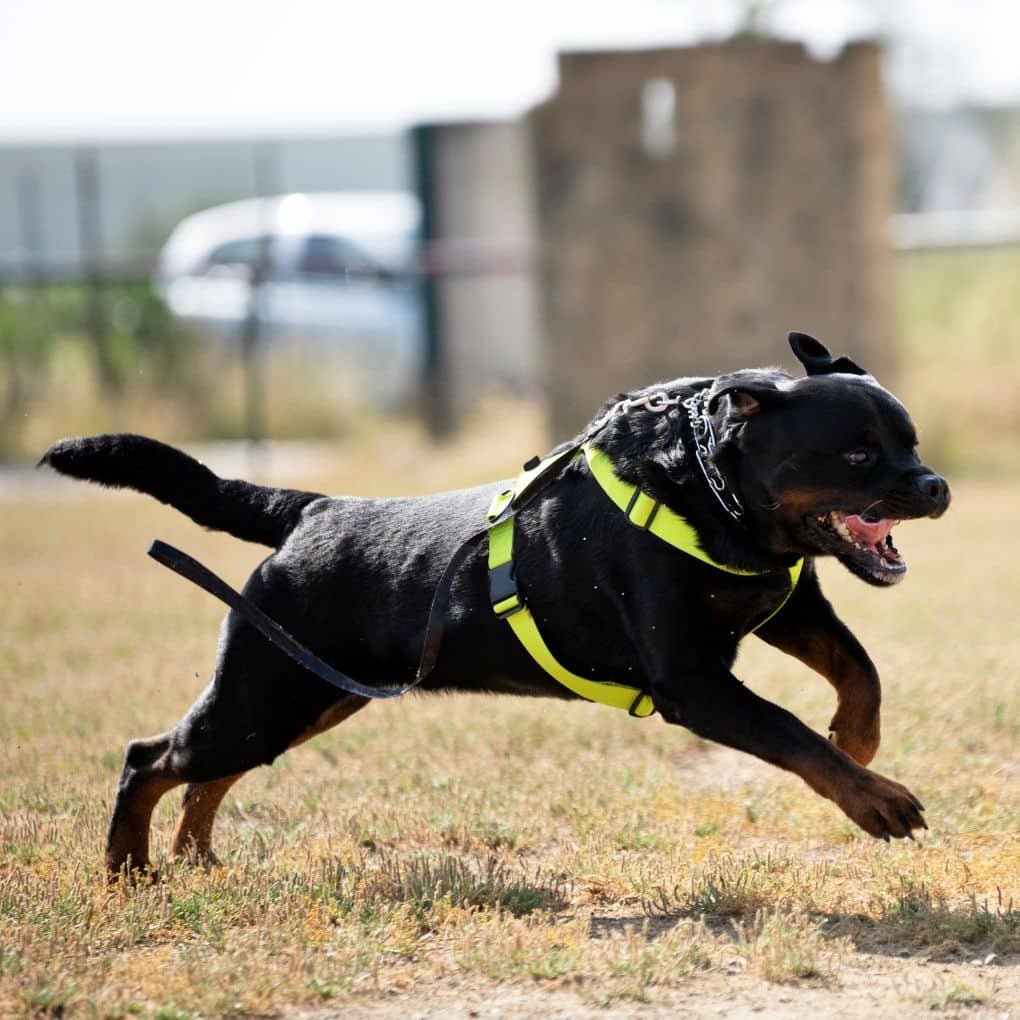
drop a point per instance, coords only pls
(817, 360)
(748, 392)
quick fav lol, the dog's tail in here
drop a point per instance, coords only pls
(250, 512)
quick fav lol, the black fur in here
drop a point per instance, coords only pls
(353, 578)
(817, 360)
(125, 461)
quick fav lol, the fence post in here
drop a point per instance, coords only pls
(435, 402)
(30, 229)
(89, 198)
(252, 351)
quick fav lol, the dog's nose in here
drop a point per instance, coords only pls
(935, 490)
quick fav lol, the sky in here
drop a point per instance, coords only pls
(75, 70)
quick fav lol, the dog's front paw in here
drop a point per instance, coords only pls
(881, 807)
(857, 731)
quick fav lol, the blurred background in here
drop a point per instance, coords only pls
(317, 222)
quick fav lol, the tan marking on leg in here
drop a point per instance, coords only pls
(856, 726)
(193, 833)
(128, 842)
(144, 779)
(333, 716)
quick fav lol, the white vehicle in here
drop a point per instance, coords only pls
(336, 275)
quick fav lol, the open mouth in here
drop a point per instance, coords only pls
(863, 545)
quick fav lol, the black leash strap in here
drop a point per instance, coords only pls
(191, 569)
(436, 622)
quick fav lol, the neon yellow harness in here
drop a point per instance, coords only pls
(644, 512)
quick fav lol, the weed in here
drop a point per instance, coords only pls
(926, 917)
(729, 886)
(787, 947)
(424, 882)
(954, 994)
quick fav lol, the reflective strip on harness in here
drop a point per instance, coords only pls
(667, 525)
(511, 608)
(664, 523)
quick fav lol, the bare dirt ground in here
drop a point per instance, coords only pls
(867, 985)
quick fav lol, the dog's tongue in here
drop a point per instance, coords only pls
(868, 532)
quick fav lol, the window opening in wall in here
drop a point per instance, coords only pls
(658, 117)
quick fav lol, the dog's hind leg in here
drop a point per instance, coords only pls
(193, 834)
(144, 779)
(258, 704)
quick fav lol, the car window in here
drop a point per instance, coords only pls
(323, 255)
(245, 252)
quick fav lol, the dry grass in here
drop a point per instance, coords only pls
(959, 333)
(457, 848)
(461, 842)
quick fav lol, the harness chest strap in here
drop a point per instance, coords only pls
(644, 512)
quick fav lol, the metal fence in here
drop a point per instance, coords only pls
(96, 271)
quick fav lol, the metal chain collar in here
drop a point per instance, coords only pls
(654, 402)
(704, 451)
(701, 429)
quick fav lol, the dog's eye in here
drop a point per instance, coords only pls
(861, 457)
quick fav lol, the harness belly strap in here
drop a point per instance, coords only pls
(644, 512)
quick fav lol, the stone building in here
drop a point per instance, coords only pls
(694, 205)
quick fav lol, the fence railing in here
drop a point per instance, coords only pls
(967, 228)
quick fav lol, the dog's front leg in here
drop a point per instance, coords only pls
(712, 702)
(808, 629)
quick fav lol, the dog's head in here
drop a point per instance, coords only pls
(825, 464)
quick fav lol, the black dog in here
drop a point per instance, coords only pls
(823, 465)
